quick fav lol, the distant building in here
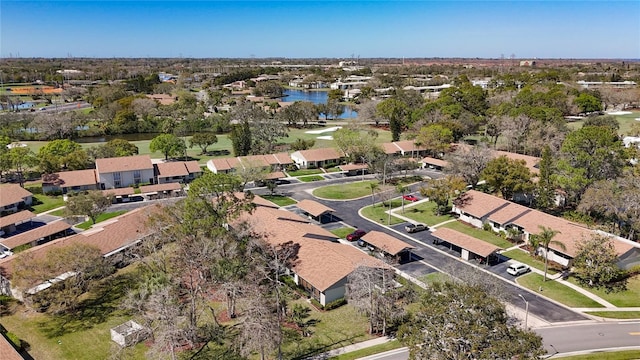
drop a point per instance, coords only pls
(527, 63)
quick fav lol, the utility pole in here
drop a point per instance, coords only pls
(526, 313)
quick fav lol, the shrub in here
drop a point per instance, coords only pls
(335, 304)
(21, 248)
(486, 227)
(14, 339)
(317, 304)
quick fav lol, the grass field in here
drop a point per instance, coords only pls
(556, 291)
(626, 315)
(625, 122)
(343, 231)
(42, 203)
(303, 172)
(478, 234)
(627, 298)
(311, 178)
(345, 191)
(378, 213)
(390, 345)
(102, 217)
(615, 355)
(425, 213)
(279, 199)
(525, 258)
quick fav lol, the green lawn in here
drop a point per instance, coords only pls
(352, 190)
(335, 328)
(627, 298)
(615, 355)
(303, 172)
(625, 122)
(82, 336)
(425, 213)
(616, 314)
(42, 203)
(343, 231)
(378, 213)
(311, 178)
(102, 217)
(435, 277)
(58, 213)
(390, 345)
(524, 257)
(556, 291)
(479, 234)
(279, 199)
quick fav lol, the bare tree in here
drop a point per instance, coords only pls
(468, 162)
(366, 290)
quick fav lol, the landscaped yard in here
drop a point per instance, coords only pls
(435, 277)
(279, 199)
(303, 172)
(524, 257)
(311, 178)
(343, 231)
(42, 203)
(377, 349)
(556, 291)
(616, 314)
(102, 217)
(378, 213)
(425, 213)
(628, 298)
(615, 355)
(478, 234)
(352, 190)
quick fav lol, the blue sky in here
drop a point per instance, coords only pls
(336, 29)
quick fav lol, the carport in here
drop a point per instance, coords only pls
(354, 169)
(470, 248)
(120, 194)
(315, 210)
(161, 191)
(397, 249)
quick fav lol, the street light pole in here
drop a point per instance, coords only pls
(526, 311)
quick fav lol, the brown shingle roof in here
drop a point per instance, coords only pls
(12, 194)
(434, 161)
(35, 234)
(7, 351)
(350, 167)
(465, 241)
(193, 167)
(77, 178)
(219, 164)
(275, 175)
(321, 261)
(479, 204)
(171, 169)
(409, 145)
(531, 161)
(386, 243)
(126, 163)
(119, 192)
(19, 217)
(160, 187)
(313, 207)
(390, 148)
(282, 158)
(320, 154)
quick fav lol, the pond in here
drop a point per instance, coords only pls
(316, 97)
(128, 137)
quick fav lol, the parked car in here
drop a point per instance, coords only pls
(414, 228)
(356, 235)
(410, 198)
(516, 269)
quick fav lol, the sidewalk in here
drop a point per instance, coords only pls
(350, 348)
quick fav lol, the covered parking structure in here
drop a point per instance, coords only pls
(354, 169)
(38, 236)
(398, 250)
(469, 247)
(316, 211)
(9, 223)
(161, 191)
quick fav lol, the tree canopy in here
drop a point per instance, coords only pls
(169, 145)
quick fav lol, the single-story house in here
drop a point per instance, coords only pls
(39, 235)
(13, 197)
(177, 171)
(315, 210)
(125, 171)
(404, 148)
(223, 165)
(389, 246)
(323, 264)
(316, 158)
(71, 181)
(478, 208)
(8, 223)
(469, 247)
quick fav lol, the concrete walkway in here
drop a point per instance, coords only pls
(351, 348)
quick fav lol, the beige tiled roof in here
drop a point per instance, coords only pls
(321, 261)
(282, 158)
(434, 161)
(160, 187)
(7, 351)
(193, 167)
(275, 175)
(119, 192)
(12, 194)
(220, 164)
(465, 241)
(126, 163)
(171, 169)
(35, 234)
(19, 217)
(479, 204)
(390, 148)
(77, 178)
(508, 213)
(531, 161)
(320, 154)
(386, 243)
(313, 207)
(350, 167)
(408, 146)
(254, 161)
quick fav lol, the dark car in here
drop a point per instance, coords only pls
(356, 235)
(413, 228)
(410, 198)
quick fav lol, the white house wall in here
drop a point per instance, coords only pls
(126, 178)
(335, 292)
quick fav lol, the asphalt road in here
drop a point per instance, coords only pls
(65, 107)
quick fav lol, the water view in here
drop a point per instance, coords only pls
(316, 97)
